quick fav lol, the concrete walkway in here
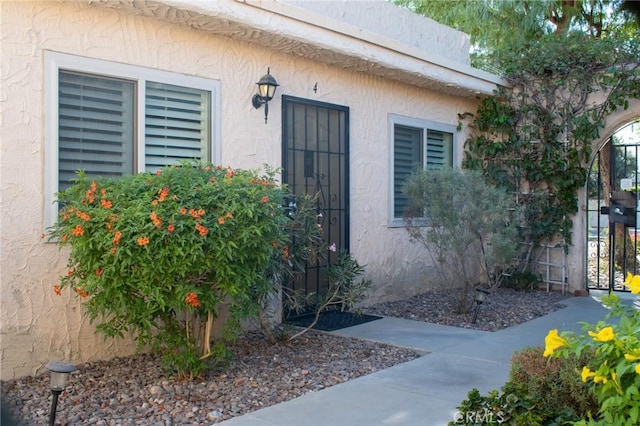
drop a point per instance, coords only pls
(427, 390)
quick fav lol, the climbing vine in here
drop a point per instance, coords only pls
(534, 137)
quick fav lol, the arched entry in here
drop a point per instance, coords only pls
(613, 226)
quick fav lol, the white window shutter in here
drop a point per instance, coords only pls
(407, 153)
(439, 149)
(95, 126)
(176, 125)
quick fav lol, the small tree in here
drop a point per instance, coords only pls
(157, 255)
(467, 231)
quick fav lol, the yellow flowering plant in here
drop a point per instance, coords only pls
(614, 369)
(157, 255)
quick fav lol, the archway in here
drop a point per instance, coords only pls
(612, 210)
(578, 256)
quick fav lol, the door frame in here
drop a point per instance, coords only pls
(343, 203)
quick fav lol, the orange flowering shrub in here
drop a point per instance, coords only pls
(156, 254)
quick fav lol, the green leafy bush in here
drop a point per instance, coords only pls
(471, 237)
(160, 254)
(553, 384)
(614, 371)
(538, 392)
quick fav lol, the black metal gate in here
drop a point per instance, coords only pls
(612, 209)
(315, 150)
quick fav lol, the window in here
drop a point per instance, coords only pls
(113, 119)
(415, 143)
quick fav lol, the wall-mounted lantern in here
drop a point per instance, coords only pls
(267, 86)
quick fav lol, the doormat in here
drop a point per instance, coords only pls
(331, 321)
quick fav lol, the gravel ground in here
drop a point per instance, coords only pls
(135, 391)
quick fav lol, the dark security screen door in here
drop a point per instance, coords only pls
(316, 161)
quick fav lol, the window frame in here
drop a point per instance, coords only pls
(424, 126)
(55, 61)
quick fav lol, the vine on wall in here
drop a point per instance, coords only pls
(535, 137)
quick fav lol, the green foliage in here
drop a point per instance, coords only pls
(500, 26)
(471, 237)
(158, 254)
(538, 393)
(614, 371)
(553, 384)
(535, 137)
(344, 291)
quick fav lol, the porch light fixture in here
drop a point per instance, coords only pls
(59, 374)
(481, 295)
(267, 86)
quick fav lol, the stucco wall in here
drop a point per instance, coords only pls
(386, 18)
(35, 325)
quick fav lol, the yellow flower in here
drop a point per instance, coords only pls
(633, 282)
(637, 368)
(600, 379)
(586, 373)
(603, 335)
(630, 357)
(553, 342)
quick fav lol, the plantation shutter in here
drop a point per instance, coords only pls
(95, 126)
(407, 153)
(439, 149)
(176, 125)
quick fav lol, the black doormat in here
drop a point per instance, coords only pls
(331, 321)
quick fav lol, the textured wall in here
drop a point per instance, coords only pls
(382, 17)
(36, 326)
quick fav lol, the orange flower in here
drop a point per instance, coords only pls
(80, 292)
(94, 186)
(171, 228)
(83, 216)
(64, 237)
(192, 299)
(221, 220)
(228, 215)
(274, 244)
(57, 290)
(156, 220)
(212, 179)
(109, 227)
(78, 230)
(90, 195)
(202, 230)
(106, 204)
(154, 202)
(99, 272)
(183, 211)
(197, 214)
(158, 172)
(230, 173)
(116, 237)
(70, 272)
(113, 250)
(143, 241)
(265, 199)
(285, 251)
(163, 194)
(103, 192)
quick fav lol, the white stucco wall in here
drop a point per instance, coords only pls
(383, 17)
(35, 325)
